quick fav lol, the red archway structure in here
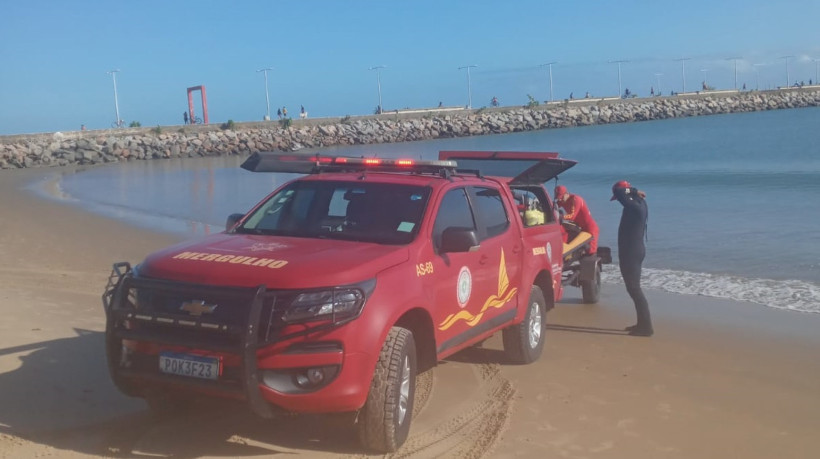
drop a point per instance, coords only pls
(201, 89)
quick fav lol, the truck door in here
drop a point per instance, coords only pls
(499, 254)
(466, 284)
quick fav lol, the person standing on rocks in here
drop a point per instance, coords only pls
(185, 117)
(631, 250)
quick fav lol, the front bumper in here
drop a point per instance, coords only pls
(257, 352)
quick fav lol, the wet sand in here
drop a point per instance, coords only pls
(718, 379)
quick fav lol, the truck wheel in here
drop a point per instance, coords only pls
(591, 289)
(524, 342)
(384, 421)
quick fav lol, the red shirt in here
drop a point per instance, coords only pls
(577, 211)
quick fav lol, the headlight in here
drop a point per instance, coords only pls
(335, 304)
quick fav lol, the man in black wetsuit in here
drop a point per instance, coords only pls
(631, 250)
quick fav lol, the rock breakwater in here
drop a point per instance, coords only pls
(106, 146)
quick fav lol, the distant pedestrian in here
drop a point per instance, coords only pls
(284, 112)
(440, 103)
(185, 117)
(302, 113)
(631, 250)
(651, 90)
(570, 96)
(279, 113)
(82, 127)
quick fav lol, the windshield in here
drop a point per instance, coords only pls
(368, 212)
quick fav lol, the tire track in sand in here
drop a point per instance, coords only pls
(470, 433)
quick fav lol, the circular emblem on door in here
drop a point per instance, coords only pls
(549, 251)
(465, 286)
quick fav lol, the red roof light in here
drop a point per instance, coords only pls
(315, 164)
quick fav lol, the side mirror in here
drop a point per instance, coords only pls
(455, 239)
(233, 219)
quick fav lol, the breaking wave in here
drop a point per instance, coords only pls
(793, 295)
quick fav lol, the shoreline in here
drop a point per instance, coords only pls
(719, 378)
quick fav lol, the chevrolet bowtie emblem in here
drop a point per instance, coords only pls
(197, 307)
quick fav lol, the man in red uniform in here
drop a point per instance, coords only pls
(577, 212)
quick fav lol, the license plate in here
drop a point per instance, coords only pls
(193, 366)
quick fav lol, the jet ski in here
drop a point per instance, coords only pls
(581, 268)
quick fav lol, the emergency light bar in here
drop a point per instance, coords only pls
(296, 163)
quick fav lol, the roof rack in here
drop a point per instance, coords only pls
(315, 164)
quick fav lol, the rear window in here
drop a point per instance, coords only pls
(368, 212)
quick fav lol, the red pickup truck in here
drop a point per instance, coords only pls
(336, 290)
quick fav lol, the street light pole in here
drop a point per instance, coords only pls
(267, 98)
(113, 74)
(378, 69)
(787, 68)
(619, 74)
(469, 89)
(735, 60)
(816, 70)
(683, 70)
(658, 78)
(549, 64)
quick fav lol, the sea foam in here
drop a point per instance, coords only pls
(793, 295)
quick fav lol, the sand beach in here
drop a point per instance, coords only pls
(719, 378)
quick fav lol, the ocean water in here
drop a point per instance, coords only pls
(734, 200)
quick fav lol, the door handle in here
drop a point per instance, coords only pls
(516, 248)
(483, 259)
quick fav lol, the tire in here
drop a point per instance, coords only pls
(384, 421)
(524, 342)
(591, 289)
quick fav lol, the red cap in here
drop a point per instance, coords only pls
(619, 184)
(560, 190)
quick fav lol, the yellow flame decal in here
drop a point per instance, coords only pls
(503, 279)
(494, 301)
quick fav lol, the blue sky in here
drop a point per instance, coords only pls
(54, 55)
